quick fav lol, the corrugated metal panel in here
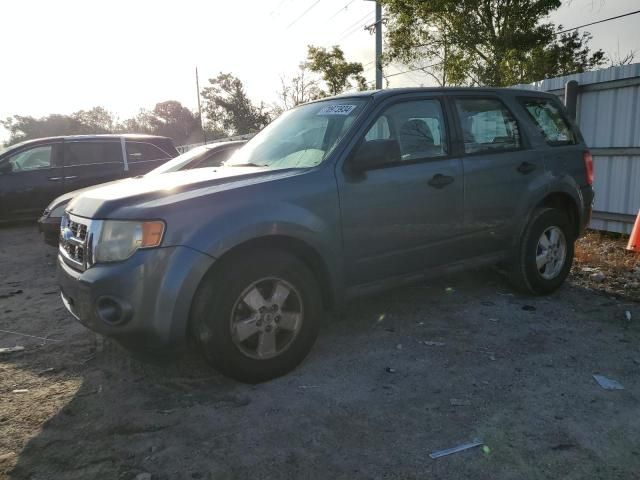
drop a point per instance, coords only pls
(609, 118)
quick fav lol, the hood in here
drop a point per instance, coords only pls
(157, 190)
(66, 198)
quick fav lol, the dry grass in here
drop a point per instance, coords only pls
(605, 253)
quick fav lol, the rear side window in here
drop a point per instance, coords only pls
(144, 152)
(487, 125)
(90, 153)
(550, 120)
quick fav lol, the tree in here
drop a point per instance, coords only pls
(228, 108)
(336, 72)
(23, 128)
(299, 89)
(97, 120)
(485, 42)
(173, 120)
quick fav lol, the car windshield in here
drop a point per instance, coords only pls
(302, 137)
(180, 161)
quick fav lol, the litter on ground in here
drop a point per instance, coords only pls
(607, 383)
(17, 348)
(456, 449)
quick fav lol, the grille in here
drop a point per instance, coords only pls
(74, 242)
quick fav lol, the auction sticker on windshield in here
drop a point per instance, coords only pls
(336, 110)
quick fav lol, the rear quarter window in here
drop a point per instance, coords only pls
(144, 152)
(548, 116)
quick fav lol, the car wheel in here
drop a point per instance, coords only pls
(545, 253)
(257, 317)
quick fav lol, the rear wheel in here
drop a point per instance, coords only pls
(545, 253)
(257, 317)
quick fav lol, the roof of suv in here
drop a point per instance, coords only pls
(390, 92)
(106, 136)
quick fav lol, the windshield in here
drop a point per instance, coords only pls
(302, 137)
(180, 161)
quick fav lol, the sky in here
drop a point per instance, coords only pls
(60, 56)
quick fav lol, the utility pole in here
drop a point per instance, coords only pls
(378, 27)
(204, 133)
(378, 45)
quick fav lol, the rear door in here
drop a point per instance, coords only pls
(406, 216)
(143, 157)
(501, 170)
(91, 162)
(30, 178)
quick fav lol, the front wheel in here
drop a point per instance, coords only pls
(545, 253)
(257, 317)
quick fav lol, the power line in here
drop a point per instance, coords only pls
(599, 21)
(415, 69)
(355, 27)
(357, 23)
(302, 14)
(341, 10)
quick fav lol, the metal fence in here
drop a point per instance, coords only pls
(608, 113)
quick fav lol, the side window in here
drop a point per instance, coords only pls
(549, 118)
(487, 125)
(32, 159)
(418, 126)
(91, 153)
(144, 152)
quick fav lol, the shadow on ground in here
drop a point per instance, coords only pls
(371, 401)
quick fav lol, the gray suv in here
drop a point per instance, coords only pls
(335, 199)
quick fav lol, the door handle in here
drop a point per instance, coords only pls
(54, 179)
(71, 177)
(526, 167)
(440, 181)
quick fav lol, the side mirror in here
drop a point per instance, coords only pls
(376, 153)
(6, 167)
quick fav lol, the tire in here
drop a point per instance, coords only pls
(227, 309)
(526, 275)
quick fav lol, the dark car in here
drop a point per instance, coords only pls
(211, 155)
(34, 172)
(335, 199)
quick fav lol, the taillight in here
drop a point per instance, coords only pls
(588, 166)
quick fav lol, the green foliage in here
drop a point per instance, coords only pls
(228, 108)
(485, 42)
(336, 72)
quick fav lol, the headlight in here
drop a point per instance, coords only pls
(58, 211)
(118, 240)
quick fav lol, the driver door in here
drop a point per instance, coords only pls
(405, 216)
(30, 179)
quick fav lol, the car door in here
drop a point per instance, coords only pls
(500, 171)
(404, 216)
(90, 162)
(29, 179)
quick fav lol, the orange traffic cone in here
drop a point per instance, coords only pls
(634, 239)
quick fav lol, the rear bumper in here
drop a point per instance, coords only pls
(143, 302)
(588, 196)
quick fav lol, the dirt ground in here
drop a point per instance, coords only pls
(371, 401)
